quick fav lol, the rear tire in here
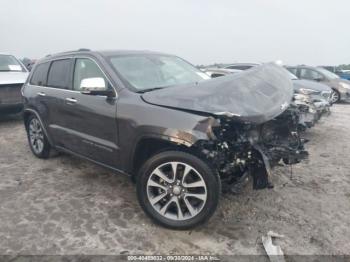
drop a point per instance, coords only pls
(182, 199)
(38, 142)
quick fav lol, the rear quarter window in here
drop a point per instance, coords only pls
(60, 74)
(293, 70)
(40, 74)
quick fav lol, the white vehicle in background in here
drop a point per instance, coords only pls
(13, 75)
(216, 72)
(229, 69)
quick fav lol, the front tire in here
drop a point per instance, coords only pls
(178, 190)
(38, 142)
(335, 96)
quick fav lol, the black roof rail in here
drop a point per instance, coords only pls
(84, 49)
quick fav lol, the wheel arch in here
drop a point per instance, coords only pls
(147, 146)
(335, 90)
(29, 112)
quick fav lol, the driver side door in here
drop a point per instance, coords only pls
(91, 119)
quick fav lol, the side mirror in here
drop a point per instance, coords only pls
(95, 86)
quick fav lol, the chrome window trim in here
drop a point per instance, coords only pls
(93, 60)
(75, 57)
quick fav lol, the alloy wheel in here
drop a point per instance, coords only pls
(334, 97)
(36, 135)
(176, 191)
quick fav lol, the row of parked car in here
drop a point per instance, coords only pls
(182, 136)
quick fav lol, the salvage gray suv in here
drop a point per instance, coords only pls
(181, 136)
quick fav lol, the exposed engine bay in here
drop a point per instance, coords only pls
(240, 149)
(254, 123)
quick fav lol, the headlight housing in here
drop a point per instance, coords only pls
(302, 98)
(345, 85)
(307, 91)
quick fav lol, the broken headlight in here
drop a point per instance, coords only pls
(302, 98)
(345, 85)
(307, 91)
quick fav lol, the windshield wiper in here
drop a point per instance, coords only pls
(149, 90)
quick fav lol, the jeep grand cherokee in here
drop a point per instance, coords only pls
(181, 136)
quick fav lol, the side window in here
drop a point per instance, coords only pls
(216, 75)
(59, 74)
(293, 70)
(40, 74)
(310, 74)
(86, 68)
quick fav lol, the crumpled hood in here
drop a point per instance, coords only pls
(256, 95)
(13, 77)
(300, 83)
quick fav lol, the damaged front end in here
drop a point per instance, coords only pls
(311, 109)
(240, 149)
(254, 123)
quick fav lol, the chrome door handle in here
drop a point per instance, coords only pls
(71, 100)
(41, 94)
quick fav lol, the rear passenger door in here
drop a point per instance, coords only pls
(58, 87)
(50, 81)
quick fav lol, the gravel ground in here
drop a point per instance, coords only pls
(65, 205)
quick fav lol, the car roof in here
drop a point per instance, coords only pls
(128, 52)
(102, 52)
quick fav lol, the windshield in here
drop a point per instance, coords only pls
(147, 71)
(9, 63)
(327, 73)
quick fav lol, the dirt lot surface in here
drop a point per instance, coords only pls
(65, 205)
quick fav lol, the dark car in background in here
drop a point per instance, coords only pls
(345, 74)
(342, 73)
(340, 87)
(181, 136)
(13, 74)
(28, 63)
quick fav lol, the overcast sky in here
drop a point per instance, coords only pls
(202, 31)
